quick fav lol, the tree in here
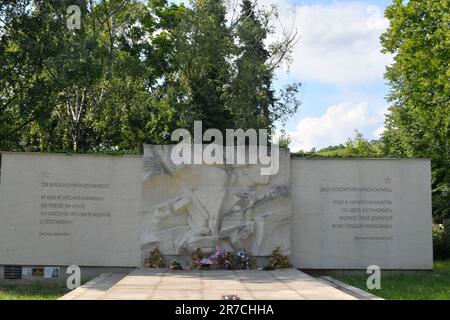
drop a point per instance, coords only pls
(87, 89)
(418, 123)
(226, 68)
(252, 99)
(361, 147)
(24, 93)
(134, 72)
(251, 88)
(203, 48)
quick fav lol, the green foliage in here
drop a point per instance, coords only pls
(361, 147)
(277, 260)
(198, 254)
(358, 147)
(81, 90)
(441, 242)
(10, 290)
(225, 69)
(134, 72)
(409, 286)
(230, 261)
(175, 265)
(252, 263)
(203, 45)
(198, 260)
(252, 74)
(418, 122)
(284, 141)
(155, 259)
(251, 98)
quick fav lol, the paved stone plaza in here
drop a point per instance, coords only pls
(162, 284)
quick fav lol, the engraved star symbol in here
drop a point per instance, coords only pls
(45, 174)
(388, 180)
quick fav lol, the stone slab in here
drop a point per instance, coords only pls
(94, 289)
(57, 209)
(178, 286)
(350, 214)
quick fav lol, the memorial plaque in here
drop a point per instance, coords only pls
(63, 210)
(349, 214)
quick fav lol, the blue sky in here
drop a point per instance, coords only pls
(338, 61)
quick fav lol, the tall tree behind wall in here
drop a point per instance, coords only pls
(134, 72)
(418, 123)
(203, 49)
(252, 99)
(226, 68)
(87, 89)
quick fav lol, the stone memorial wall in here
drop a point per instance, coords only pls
(103, 211)
(63, 210)
(350, 214)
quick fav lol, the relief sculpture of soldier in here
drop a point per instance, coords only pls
(199, 206)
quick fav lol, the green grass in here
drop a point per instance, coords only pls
(421, 286)
(333, 153)
(10, 290)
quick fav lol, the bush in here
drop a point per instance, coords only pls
(278, 260)
(155, 260)
(230, 261)
(441, 243)
(200, 260)
(175, 265)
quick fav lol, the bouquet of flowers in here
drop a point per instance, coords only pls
(217, 256)
(202, 263)
(175, 265)
(231, 297)
(244, 259)
(227, 263)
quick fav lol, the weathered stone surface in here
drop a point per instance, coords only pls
(94, 211)
(63, 210)
(157, 284)
(198, 206)
(350, 214)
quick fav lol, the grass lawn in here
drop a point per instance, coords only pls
(422, 286)
(31, 291)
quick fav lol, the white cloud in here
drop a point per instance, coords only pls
(338, 45)
(379, 132)
(339, 42)
(337, 124)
